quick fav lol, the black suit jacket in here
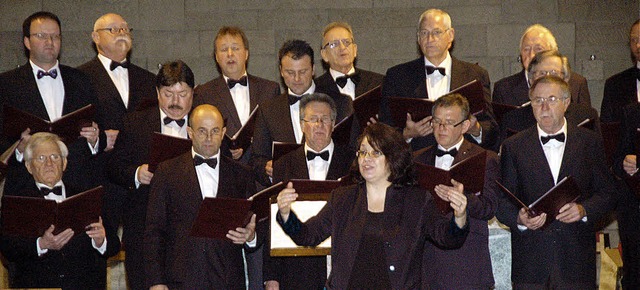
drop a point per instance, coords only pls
(18, 89)
(470, 266)
(216, 92)
(368, 80)
(526, 173)
(619, 90)
(171, 255)
(410, 218)
(142, 92)
(76, 266)
(303, 272)
(514, 90)
(523, 118)
(408, 80)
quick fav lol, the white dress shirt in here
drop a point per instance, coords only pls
(446, 161)
(318, 167)
(638, 82)
(350, 88)
(119, 76)
(51, 90)
(172, 129)
(208, 177)
(437, 84)
(295, 113)
(554, 150)
(241, 100)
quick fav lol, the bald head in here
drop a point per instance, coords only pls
(206, 130)
(114, 46)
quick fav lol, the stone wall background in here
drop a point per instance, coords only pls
(487, 31)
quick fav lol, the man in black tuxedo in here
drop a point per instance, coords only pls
(48, 90)
(129, 166)
(278, 119)
(470, 266)
(121, 87)
(67, 260)
(623, 88)
(432, 76)
(562, 255)
(339, 52)
(553, 63)
(173, 258)
(514, 90)
(235, 93)
(319, 159)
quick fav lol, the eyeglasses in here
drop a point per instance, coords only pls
(372, 154)
(315, 120)
(537, 102)
(447, 124)
(203, 133)
(116, 30)
(436, 33)
(45, 36)
(553, 72)
(336, 43)
(52, 157)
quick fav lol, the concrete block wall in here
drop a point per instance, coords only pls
(487, 31)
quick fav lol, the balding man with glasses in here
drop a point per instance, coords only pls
(433, 75)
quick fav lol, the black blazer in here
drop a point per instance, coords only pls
(619, 90)
(526, 173)
(293, 165)
(171, 255)
(408, 80)
(142, 92)
(514, 90)
(76, 266)
(410, 218)
(18, 89)
(470, 266)
(216, 92)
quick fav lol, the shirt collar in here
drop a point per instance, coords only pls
(42, 185)
(36, 68)
(446, 63)
(310, 90)
(329, 147)
(336, 74)
(194, 154)
(226, 78)
(457, 146)
(106, 62)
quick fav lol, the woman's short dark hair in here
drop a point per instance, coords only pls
(396, 150)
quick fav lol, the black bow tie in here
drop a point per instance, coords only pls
(197, 160)
(57, 190)
(324, 155)
(559, 137)
(115, 64)
(294, 99)
(430, 69)
(453, 152)
(232, 83)
(342, 80)
(52, 73)
(168, 120)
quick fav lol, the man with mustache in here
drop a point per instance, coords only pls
(129, 165)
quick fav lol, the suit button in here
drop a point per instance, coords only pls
(61, 276)
(392, 268)
(387, 244)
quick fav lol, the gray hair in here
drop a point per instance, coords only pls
(548, 35)
(318, 97)
(40, 138)
(446, 19)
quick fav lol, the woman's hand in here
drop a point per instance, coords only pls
(285, 198)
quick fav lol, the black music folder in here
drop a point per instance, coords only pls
(565, 191)
(217, 216)
(469, 172)
(499, 110)
(421, 108)
(67, 127)
(367, 105)
(278, 149)
(165, 147)
(342, 131)
(30, 217)
(242, 138)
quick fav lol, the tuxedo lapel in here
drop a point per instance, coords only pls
(539, 159)
(253, 93)
(458, 74)
(420, 78)
(107, 85)
(191, 179)
(466, 150)
(33, 102)
(222, 91)
(571, 149)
